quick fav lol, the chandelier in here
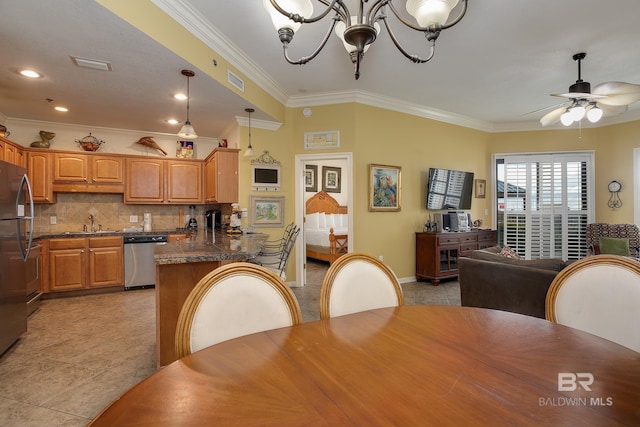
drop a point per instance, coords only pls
(358, 32)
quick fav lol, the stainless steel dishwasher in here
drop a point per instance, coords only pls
(139, 266)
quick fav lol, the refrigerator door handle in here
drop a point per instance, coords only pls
(24, 183)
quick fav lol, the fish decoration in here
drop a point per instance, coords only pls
(148, 141)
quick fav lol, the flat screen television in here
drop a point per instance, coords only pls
(449, 189)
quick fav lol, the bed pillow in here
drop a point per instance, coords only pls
(344, 220)
(312, 221)
(322, 222)
(614, 246)
(329, 220)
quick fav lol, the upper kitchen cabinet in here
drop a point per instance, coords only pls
(144, 180)
(221, 176)
(184, 181)
(90, 173)
(39, 165)
(163, 181)
(11, 152)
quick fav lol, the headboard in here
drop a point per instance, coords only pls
(323, 202)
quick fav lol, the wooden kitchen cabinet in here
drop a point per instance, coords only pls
(77, 264)
(221, 176)
(39, 165)
(184, 182)
(144, 180)
(88, 173)
(11, 152)
(163, 181)
(437, 254)
(106, 261)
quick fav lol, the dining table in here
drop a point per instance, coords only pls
(412, 365)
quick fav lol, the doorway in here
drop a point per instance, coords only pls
(301, 161)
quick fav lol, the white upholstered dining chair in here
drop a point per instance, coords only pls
(357, 282)
(234, 300)
(600, 295)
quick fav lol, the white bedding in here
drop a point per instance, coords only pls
(320, 236)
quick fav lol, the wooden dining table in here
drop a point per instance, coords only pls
(404, 366)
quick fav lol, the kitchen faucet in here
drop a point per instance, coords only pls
(92, 226)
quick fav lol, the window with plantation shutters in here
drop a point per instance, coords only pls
(544, 203)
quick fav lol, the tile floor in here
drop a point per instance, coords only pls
(81, 353)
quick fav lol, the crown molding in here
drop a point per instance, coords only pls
(258, 124)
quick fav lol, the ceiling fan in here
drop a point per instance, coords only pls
(606, 99)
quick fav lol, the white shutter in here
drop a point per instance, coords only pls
(547, 204)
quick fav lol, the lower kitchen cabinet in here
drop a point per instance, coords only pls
(83, 263)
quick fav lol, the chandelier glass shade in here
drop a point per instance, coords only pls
(360, 30)
(578, 110)
(187, 131)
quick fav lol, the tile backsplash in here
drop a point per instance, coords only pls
(72, 211)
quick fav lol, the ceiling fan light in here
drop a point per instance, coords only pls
(566, 118)
(577, 113)
(341, 27)
(431, 12)
(594, 114)
(301, 7)
(187, 131)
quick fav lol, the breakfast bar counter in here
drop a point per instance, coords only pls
(179, 267)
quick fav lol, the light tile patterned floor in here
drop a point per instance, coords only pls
(81, 353)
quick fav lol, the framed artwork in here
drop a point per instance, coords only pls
(322, 140)
(481, 185)
(331, 177)
(266, 211)
(311, 178)
(384, 188)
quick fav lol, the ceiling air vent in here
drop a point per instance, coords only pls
(94, 64)
(235, 81)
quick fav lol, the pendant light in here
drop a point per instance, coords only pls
(249, 152)
(187, 131)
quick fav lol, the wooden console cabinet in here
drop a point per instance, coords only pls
(437, 253)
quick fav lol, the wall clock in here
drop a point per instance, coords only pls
(614, 198)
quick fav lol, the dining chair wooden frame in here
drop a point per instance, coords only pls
(599, 294)
(239, 277)
(339, 267)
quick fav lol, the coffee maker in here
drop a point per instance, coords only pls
(213, 219)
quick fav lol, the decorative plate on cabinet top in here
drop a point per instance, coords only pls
(90, 143)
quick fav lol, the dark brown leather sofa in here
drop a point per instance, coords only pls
(490, 280)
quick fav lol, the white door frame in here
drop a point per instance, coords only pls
(300, 162)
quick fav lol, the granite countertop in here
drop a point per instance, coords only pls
(206, 246)
(103, 233)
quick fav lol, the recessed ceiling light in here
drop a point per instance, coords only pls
(180, 96)
(173, 121)
(30, 73)
(61, 109)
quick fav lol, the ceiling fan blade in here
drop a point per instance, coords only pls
(618, 93)
(548, 107)
(611, 110)
(553, 116)
(572, 95)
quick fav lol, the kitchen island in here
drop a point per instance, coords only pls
(180, 266)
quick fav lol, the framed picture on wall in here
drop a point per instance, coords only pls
(384, 188)
(331, 177)
(267, 211)
(481, 185)
(311, 178)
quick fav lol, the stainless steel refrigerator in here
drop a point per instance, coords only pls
(16, 235)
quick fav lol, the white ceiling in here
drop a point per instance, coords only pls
(498, 64)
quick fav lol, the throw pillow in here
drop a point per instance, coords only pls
(614, 246)
(509, 253)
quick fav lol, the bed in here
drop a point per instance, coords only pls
(326, 228)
